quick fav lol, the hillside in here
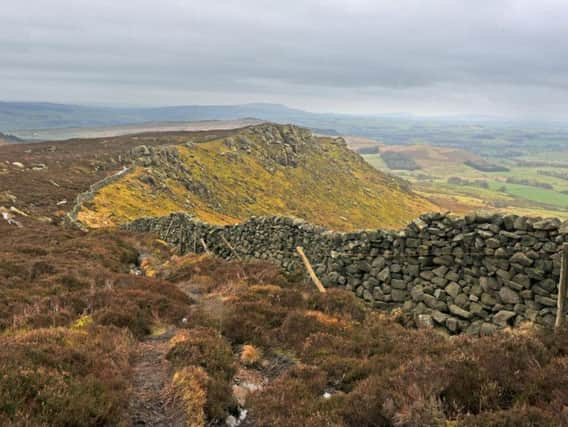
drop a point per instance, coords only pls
(111, 327)
(460, 180)
(262, 170)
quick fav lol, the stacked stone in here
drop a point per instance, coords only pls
(472, 274)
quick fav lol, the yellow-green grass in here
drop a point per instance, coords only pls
(376, 161)
(330, 186)
(551, 156)
(534, 194)
(516, 198)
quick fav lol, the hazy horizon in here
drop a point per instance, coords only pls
(503, 58)
(401, 115)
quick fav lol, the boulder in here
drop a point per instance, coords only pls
(549, 284)
(443, 260)
(453, 289)
(420, 224)
(398, 284)
(462, 300)
(141, 150)
(439, 317)
(378, 294)
(433, 303)
(493, 243)
(523, 280)
(501, 253)
(509, 296)
(473, 329)
(504, 317)
(509, 221)
(488, 299)
(417, 293)
(522, 259)
(547, 224)
(460, 312)
(399, 295)
(488, 284)
(384, 274)
(520, 223)
(547, 301)
(395, 268)
(378, 263)
(440, 271)
(477, 310)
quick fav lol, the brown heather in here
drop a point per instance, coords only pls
(72, 318)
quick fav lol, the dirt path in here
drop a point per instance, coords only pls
(149, 405)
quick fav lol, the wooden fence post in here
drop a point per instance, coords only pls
(231, 248)
(310, 269)
(207, 251)
(562, 285)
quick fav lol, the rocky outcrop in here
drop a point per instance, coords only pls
(260, 170)
(471, 274)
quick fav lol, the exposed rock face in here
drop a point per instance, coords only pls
(471, 274)
(260, 170)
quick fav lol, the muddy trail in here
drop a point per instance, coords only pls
(149, 404)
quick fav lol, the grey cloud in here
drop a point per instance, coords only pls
(425, 56)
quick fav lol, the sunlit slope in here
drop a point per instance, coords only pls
(262, 170)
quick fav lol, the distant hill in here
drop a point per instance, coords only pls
(480, 135)
(59, 134)
(260, 171)
(17, 116)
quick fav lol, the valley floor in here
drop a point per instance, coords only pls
(529, 185)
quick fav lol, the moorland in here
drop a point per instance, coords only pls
(103, 326)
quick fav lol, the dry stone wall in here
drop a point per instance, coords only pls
(472, 274)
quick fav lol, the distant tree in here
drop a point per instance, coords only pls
(374, 149)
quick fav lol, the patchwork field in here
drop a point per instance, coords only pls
(529, 181)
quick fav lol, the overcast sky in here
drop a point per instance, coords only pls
(497, 57)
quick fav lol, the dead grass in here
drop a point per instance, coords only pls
(204, 349)
(189, 385)
(250, 355)
(212, 273)
(71, 313)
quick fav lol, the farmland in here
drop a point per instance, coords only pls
(528, 180)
